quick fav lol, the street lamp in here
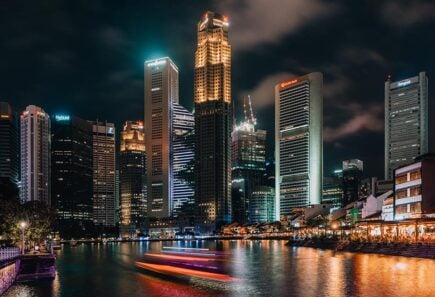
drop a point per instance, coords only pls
(23, 228)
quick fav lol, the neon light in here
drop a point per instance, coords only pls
(156, 63)
(404, 83)
(61, 117)
(287, 83)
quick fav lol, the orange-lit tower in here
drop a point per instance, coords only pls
(213, 122)
(132, 177)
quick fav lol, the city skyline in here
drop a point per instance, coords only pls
(354, 67)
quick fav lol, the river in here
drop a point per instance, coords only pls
(265, 268)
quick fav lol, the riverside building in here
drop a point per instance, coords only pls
(298, 142)
(213, 122)
(132, 178)
(71, 175)
(35, 155)
(103, 156)
(414, 189)
(406, 121)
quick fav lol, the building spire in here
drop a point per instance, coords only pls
(253, 119)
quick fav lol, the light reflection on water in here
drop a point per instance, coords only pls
(267, 268)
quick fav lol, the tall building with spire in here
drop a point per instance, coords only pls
(298, 142)
(35, 155)
(406, 121)
(248, 164)
(132, 178)
(213, 122)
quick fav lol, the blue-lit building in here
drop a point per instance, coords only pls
(262, 205)
(183, 155)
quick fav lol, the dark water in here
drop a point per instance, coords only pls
(267, 268)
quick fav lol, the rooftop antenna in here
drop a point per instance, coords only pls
(253, 119)
(244, 109)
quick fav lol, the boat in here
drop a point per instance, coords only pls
(187, 263)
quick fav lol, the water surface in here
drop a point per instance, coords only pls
(267, 268)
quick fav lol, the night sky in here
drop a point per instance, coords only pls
(86, 58)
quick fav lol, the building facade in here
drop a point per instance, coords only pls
(406, 121)
(35, 155)
(71, 175)
(352, 177)
(262, 205)
(213, 122)
(414, 189)
(183, 148)
(298, 142)
(9, 146)
(332, 192)
(161, 92)
(103, 164)
(132, 178)
(248, 167)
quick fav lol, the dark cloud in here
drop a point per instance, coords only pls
(254, 22)
(408, 13)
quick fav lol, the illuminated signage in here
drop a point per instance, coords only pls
(404, 83)
(61, 117)
(4, 116)
(288, 83)
(110, 130)
(156, 63)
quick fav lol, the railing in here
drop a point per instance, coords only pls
(8, 253)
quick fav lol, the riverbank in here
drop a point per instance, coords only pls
(417, 250)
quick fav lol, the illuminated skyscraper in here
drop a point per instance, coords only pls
(9, 146)
(161, 93)
(298, 142)
(183, 153)
(103, 146)
(71, 175)
(35, 155)
(406, 121)
(132, 177)
(213, 122)
(248, 165)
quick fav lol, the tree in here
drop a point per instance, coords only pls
(36, 214)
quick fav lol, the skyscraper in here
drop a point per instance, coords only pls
(213, 122)
(183, 153)
(103, 151)
(35, 155)
(71, 175)
(248, 165)
(161, 92)
(132, 177)
(406, 121)
(9, 146)
(352, 176)
(298, 142)
(262, 205)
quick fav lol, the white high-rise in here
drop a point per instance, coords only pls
(35, 155)
(298, 142)
(406, 121)
(104, 186)
(161, 93)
